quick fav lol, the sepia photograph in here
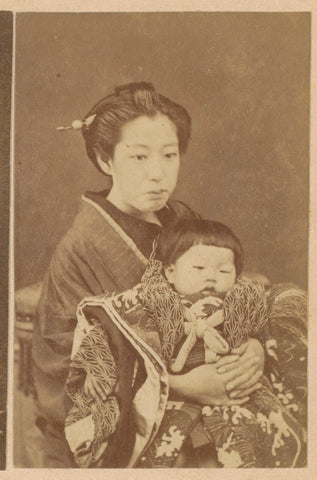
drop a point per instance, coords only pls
(160, 178)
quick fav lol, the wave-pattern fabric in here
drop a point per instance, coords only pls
(95, 359)
(287, 307)
(261, 433)
(245, 314)
(164, 306)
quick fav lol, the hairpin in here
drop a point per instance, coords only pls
(78, 124)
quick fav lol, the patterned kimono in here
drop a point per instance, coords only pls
(128, 341)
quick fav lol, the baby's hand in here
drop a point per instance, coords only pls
(92, 387)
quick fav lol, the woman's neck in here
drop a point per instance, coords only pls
(150, 217)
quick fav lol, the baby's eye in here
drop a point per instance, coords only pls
(224, 271)
(198, 267)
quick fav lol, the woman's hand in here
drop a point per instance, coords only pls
(204, 385)
(242, 373)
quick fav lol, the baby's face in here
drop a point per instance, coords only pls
(204, 269)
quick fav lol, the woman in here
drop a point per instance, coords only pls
(137, 137)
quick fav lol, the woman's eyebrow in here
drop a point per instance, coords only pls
(134, 145)
(137, 145)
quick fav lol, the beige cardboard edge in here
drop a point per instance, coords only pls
(186, 5)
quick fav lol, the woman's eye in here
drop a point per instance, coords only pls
(198, 267)
(224, 271)
(170, 155)
(139, 157)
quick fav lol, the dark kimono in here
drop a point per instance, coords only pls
(96, 256)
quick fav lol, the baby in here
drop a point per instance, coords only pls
(204, 269)
(202, 261)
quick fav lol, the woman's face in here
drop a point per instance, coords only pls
(145, 165)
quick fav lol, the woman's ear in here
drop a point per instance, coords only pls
(105, 165)
(170, 274)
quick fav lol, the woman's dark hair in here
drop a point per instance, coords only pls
(124, 104)
(184, 233)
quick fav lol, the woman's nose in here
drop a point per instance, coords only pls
(154, 169)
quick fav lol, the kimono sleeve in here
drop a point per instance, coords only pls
(70, 278)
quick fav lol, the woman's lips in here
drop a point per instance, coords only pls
(157, 193)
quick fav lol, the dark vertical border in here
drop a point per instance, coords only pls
(6, 35)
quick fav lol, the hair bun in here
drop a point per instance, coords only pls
(134, 87)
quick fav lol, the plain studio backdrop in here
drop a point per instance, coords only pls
(243, 77)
